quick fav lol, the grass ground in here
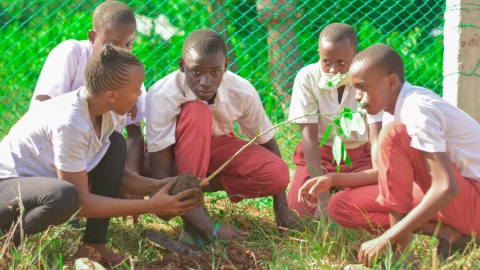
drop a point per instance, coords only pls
(322, 245)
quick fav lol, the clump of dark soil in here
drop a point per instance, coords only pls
(231, 256)
(184, 182)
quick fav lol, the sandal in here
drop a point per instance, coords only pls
(446, 249)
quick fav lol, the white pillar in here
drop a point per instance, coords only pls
(461, 57)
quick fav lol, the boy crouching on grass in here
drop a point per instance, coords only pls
(312, 94)
(190, 119)
(431, 144)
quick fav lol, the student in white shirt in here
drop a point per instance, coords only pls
(113, 23)
(432, 145)
(312, 94)
(64, 145)
(190, 118)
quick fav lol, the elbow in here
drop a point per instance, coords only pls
(449, 192)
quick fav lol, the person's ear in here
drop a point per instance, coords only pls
(227, 62)
(181, 64)
(393, 81)
(92, 35)
(110, 96)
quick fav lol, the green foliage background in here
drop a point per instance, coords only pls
(30, 29)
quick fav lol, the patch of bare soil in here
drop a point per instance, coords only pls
(231, 256)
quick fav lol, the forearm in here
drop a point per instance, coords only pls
(95, 206)
(135, 148)
(313, 159)
(355, 179)
(272, 146)
(139, 185)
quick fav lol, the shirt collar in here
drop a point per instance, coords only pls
(406, 88)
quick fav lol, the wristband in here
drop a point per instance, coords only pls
(215, 230)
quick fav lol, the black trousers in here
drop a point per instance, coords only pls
(106, 180)
(41, 201)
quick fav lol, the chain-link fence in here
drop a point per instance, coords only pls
(268, 41)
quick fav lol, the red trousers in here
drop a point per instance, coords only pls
(256, 172)
(401, 167)
(403, 181)
(361, 160)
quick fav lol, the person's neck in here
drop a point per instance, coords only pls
(393, 101)
(95, 107)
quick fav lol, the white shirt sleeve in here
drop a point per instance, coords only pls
(253, 116)
(59, 71)
(425, 126)
(69, 148)
(161, 121)
(303, 99)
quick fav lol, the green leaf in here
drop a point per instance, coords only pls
(358, 123)
(339, 127)
(337, 149)
(326, 135)
(346, 110)
(336, 79)
(345, 123)
(348, 161)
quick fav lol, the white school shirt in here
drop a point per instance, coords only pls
(311, 96)
(236, 100)
(437, 126)
(63, 72)
(56, 133)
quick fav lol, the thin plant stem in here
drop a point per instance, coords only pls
(215, 173)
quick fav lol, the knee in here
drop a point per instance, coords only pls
(195, 115)
(391, 131)
(195, 110)
(341, 209)
(118, 143)
(64, 200)
(280, 175)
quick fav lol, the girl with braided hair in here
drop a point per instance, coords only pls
(67, 154)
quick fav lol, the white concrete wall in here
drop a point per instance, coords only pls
(461, 86)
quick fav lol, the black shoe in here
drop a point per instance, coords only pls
(446, 249)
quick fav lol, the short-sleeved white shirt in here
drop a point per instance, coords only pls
(57, 133)
(311, 95)
(236, 100)
(437, 126)
(63, 72)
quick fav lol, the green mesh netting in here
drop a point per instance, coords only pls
(269, 41)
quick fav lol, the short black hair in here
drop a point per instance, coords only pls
(108, 69)
(383, 57)
(204, 41)
(337, 32)
(111, 12)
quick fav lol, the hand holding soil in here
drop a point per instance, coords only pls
(165, 203)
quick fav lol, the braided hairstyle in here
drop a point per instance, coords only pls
(337, 32)
(108, 69)
(204, 41)
(382, 57)
(111, 12)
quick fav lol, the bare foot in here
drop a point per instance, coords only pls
(227, 233)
